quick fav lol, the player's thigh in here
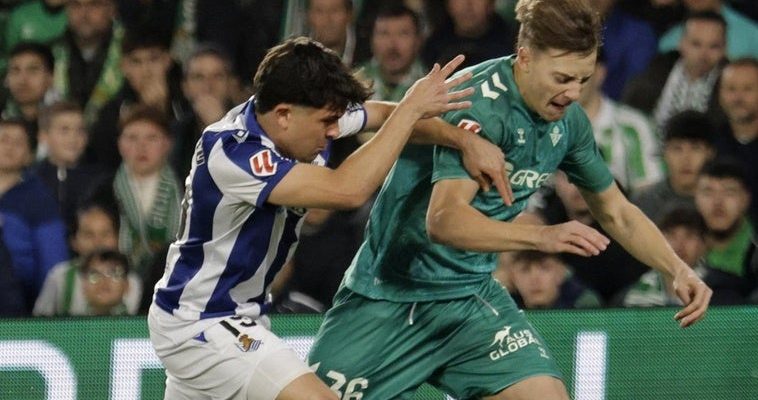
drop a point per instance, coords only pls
(534, 388)
(367, 348)
(495, 349)
(307, 386)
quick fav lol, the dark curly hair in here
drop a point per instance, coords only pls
(302, 71)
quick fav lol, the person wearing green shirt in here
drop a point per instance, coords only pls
(419, 304)
(396, 39)
(722, 198)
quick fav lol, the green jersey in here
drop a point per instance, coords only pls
(397, 261)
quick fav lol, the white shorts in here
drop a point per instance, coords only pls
(235, 358)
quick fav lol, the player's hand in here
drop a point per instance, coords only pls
(695, 296)
(485, 163)
(430, 96)
(572, 237)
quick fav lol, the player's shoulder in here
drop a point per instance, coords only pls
(493, 85)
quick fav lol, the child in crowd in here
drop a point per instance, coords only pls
(64, 135)
(66, 288)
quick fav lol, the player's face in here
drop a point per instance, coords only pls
(144, 148)
(395, 44)
(27, 78)
(95, 231)
(685, 159)
(309, 131)
(538, 282)
(65, 138)
(687, 243)
(702, 46)
(553, 79)
(739, 93)
(104, 285)
(722, 202)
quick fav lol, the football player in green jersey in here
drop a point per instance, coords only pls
(419, 303)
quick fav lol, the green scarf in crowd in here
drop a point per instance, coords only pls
(140, 238)
(108, 84)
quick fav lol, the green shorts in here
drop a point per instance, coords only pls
(469, 347)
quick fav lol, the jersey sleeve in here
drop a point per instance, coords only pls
(248, 171)
(353, 120)
(583, 163)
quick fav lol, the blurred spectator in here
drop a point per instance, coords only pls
(70, 180)
(38, 21)
(606, 273)
(146, 64)
(625, 137)
(675, 82)
(542, 280)
(395, 43)
(740, 33)
(660, 14)
(146, 189)
(163, 18)
(628, 45)
(63, 293)
(12, 302)
(687, 146)
(29, 80)
(739, 136)
(473, 29)
(331, 23)
(87, 56)
(722, 198)
(207, 87)
(684, 229)
(259, 28)
(32, 228)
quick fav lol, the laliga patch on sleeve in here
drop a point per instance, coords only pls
(470, 125)
(262, 163)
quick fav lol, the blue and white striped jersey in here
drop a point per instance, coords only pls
(232, 242)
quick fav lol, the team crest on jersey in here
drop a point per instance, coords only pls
(470, 125)
(246, 343)
(262, 163)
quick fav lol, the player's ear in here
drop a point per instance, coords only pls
(283, 114)
(524, 58)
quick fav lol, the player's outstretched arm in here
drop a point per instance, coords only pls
(483, 160)
(642, 239)
(451, 220)
(359, 175)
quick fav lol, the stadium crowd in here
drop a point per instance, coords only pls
(104, 101)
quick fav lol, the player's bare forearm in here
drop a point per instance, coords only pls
(633, 230)
(642, 239)
(426, 131)
(451, 220)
